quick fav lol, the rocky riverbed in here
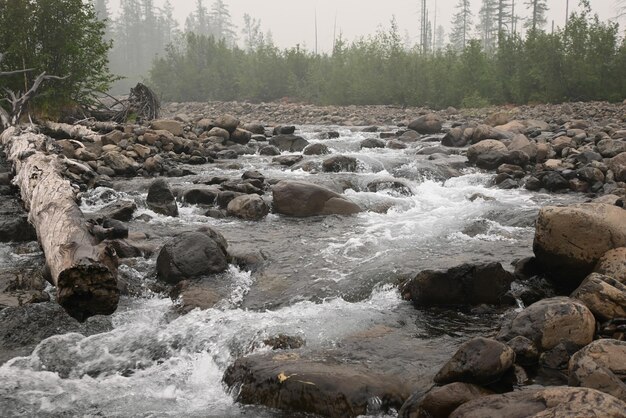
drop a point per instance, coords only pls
(279, 259)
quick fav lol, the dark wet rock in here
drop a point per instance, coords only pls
(250, 207)
(409, 136)
(201, 294)
(553, 181)
(297, 198)
(227, 122)
(392, 186)
(269, 150)
(323, 386)
(255, 128)
(508, 184)
(526, 352)
(549, 322)
(603, 295)
(480, 361)
(121, 210)
(372, 143)
(23, 327)
(200, 196)
(427, 124)
(253, 174)
(532, 183)
(370, 129)
(467, 284)
(224, 198)
(289, 143)
(287, 160)
(192, 254)
(601, 365)
(247, 260)
(570, 240)
(15, 227)
(439, 402)
(161, 199)
(284, 130)
(613, 264)
(558, 357)
(316, 149)
(395, 144)
(553, 402)
(248, 186)
(284, 342)
(339, 163)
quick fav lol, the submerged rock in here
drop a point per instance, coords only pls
(439, 402)
(161, 199)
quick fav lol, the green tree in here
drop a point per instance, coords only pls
(461, 24)
(59, 37)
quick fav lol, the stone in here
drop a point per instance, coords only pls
(393, 187)
(553, 181)
(603, 295)
(467, 284)
(120, 164)
(427, 124)
(497, 118)
(192, 254)
(284, 342)
(250, 207)
(240, 136)
(112, 138)
(570, 240)
(480, 361)
(372, 143)
(339, 163)
(601, 365)
(161, 199)
(288, 142)
(287, 160)
(321, 385)
(121, 210)
(269, 150)
(521, 143)
(16, 228)
(284, 130)
(613, 264)
(395, 144)
(301, 199)
(609, 148)
(172, 126)
(316, 149)
(200, 196)
(227, 122)
(552, 402)
(551, 321)
(219, 133)
(526, 352)
(439, 402)
(487, 154)
(617, 164)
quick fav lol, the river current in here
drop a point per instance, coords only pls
(333, 281)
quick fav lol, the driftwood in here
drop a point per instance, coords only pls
(65, 130)
(142, 103)
(84, 273)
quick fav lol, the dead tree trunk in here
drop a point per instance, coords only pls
(85, 275)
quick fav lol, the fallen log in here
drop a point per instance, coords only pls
(84, 273)
(79, 132)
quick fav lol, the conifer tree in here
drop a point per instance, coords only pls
(461, 24)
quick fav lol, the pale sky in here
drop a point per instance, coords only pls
(293, 21)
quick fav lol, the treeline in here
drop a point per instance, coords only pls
(586, 60)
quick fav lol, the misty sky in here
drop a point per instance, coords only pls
(293, 21)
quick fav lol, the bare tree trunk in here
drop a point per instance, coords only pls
(79, 132)
(85, 275)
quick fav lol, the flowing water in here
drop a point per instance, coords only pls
(330, 280)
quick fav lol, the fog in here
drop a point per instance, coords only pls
(293, 22)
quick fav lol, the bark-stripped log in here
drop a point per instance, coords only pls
(79, 132)
(85, 275)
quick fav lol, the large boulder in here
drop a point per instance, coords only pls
(288, 142)
(609, 148)
(613, 264)
(487, 154)
(553, 402)
(120, 163)
(241, 136)
(601, 365)
(427, 124)
(441, 401)
(191, 255)
(603, 295)
(552, 321)
(480, 360)
(321, 385)
(161, 199)
(521, 143)
(467, 284)
(298, 198)
(570, 240)
(227, 122)
(250, 207)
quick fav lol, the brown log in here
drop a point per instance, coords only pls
(85, 275)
